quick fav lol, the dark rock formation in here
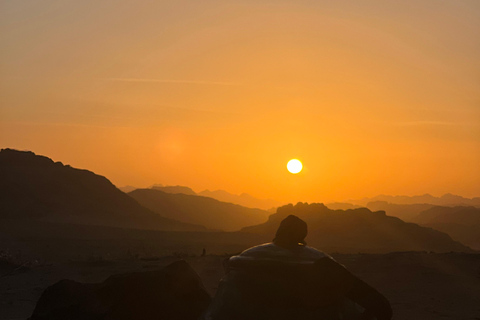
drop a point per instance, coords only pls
(174, 189)
(36, 188)
(461, 223)
(172, 293)
(406, 212)
(360, 230)
(445, 200)
(205, 211)
(243, 199)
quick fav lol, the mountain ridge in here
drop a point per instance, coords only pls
(210, 212)
(243, 199)
(461, 223)
(447, 199)
(36, 187)
(360, 229)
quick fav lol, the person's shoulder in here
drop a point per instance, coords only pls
(314, 253)
(260, 249)
(272, 251)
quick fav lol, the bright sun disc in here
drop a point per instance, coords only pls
(294, 166)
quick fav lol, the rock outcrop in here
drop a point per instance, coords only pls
(172, 293)
(462, 223)
(204, 211)
(360, 230)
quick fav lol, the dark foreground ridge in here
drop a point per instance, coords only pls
(174, 293)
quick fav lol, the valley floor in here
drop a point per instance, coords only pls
(418, 285)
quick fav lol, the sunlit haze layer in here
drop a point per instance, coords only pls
(372, 96)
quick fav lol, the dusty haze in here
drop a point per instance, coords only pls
(377, 97)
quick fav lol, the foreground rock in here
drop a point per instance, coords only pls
(174, 293)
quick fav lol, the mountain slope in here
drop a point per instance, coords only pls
(35, 187)
(243, 199)
(406, 212)
(447, 199)
(174, 189)
(461, 223)
(360, 230)
(199, 210)
(127, 189)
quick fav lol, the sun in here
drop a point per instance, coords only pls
(294, 166)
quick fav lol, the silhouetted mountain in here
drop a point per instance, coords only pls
(341, 206)
(127, 189)
(174, 189)
(406, 212)
(243, 199)
(360, 230)
(206, 211)
(445, 200)
(461, 223)
(35, 187)
(462, 215)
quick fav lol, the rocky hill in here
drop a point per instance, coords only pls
(461, 223)
(406, 212)
(360, 230)
(447, 199)
(243, 199)
(206, 211)
(36, 188)
(174, 189)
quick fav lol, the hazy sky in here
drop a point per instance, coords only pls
(373, 96)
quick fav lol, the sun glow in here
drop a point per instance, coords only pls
(294, 166)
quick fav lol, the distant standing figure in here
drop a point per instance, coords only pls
(204, 252)
(286, 279)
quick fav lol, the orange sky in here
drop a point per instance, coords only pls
(373, 96)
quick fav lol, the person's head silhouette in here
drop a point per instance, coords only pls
(291, 232)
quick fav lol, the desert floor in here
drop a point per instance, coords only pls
(418, 285)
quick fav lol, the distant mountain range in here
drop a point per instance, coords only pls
(448, 199)
(205, 211)
(127, 189)
(341, 206)
(461, 223)
(243, 199)
(36, 188)
(174, 189)
(359, 230)
(406, 212)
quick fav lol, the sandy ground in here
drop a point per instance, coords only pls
(418, 285)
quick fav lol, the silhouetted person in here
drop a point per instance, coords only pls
(204, 252)
(287, 279)
(291, 233)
